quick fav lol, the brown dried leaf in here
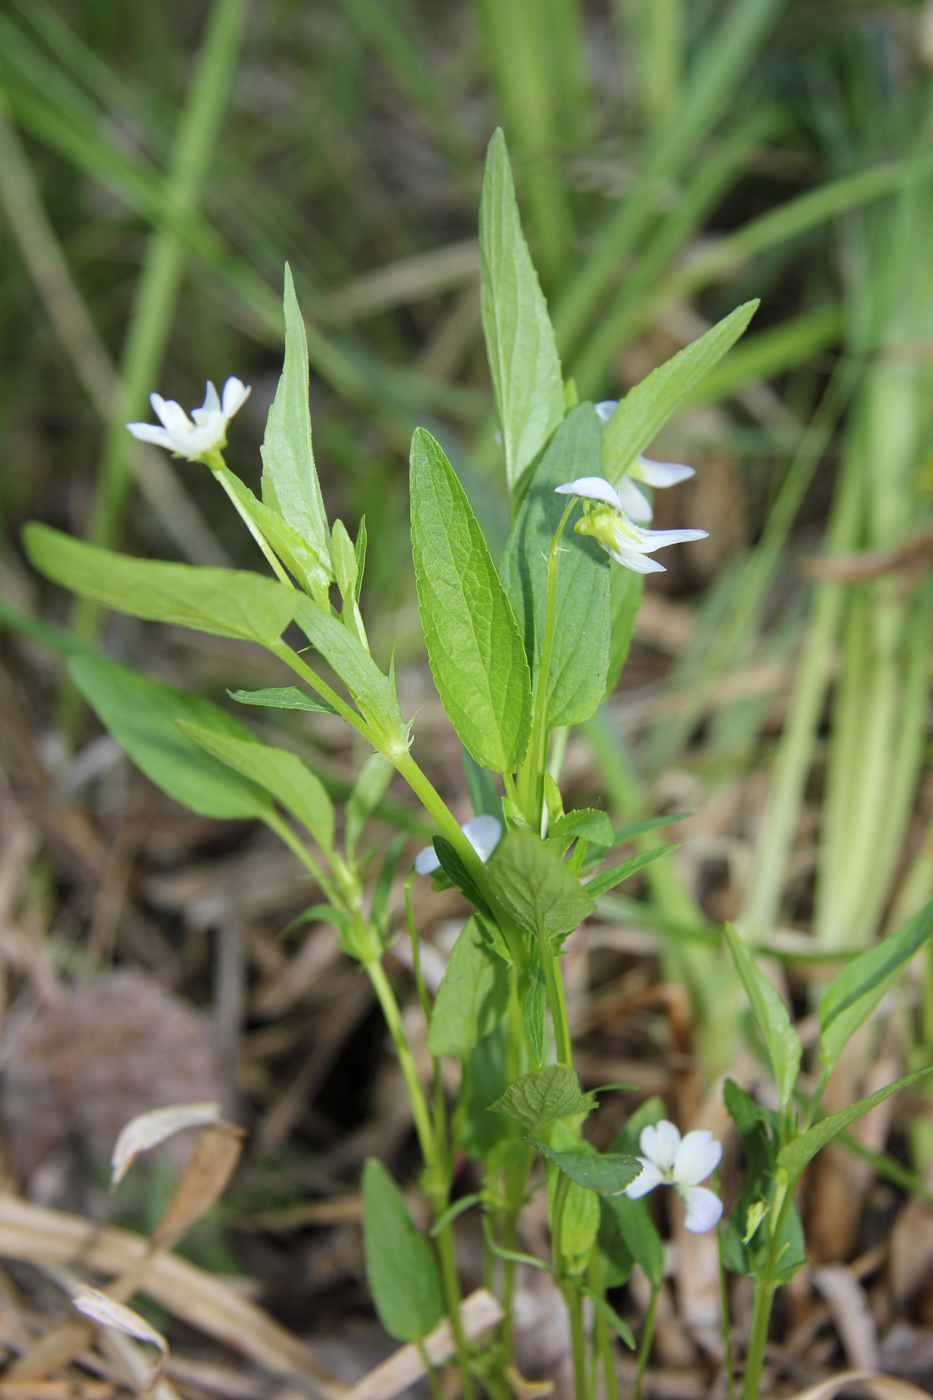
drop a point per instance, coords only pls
(108, 1313)
(147, 1130)
(875, 1382)
(204, 1181)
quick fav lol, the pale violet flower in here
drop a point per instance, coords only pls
(609, 523)
(668, 1159)
(483, 834)
(657, 474)
(189, 439)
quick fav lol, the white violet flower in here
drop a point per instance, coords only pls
(483, 834)
(206, 434)
(657, 474)
(607, 521)
(682, 1163)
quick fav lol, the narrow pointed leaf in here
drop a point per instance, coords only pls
(650, 403)
(608, 879)
(795, 1156)
(142, 716)
(374, 692)
(226, 602)
(474, 645)
(772, 1016)
(520, 343)
(855, 992)
(299, 556)
(284, 697)
(290, 484)
(281, 773)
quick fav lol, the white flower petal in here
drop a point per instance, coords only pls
(211, 398)
(235, 395)
(697, 1156)
(426, 861)
(595, 488)
(483, 833)
(650, 540)
(659, 1142)
(173, 416)
(704, 1208)
(148, 432)
(634, 502)
(648, 1178)
(638, 563)
(605, 409)
(660, 473)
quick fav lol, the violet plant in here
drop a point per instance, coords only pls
(519, 653)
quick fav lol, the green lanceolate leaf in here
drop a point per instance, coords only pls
(226, 602)
(625, 590)
(605, 1173)
(520, 342)
(771, 1015)
(608, 879)
(544, 1096)
(795, 1156)
(142, 716)
(578, 668)
(855, 992)
(298, 556)
(289, 477)
(373, 691)
(646, 408)
(400, 1264)
(473, 641)
(281, 773)
(537, 888)
(472, 997)
(588, 822)
(284, 697)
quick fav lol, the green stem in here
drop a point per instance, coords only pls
(393, 1020)
(574, 1303)
(728, 1358)
(439, 1186)
(437, 1390)
(602, 1335)
(451, 1284)
(534, 765)
(554, 983)
(758, 1340)
(644, 1351)
(416, 949)
(216, 463)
